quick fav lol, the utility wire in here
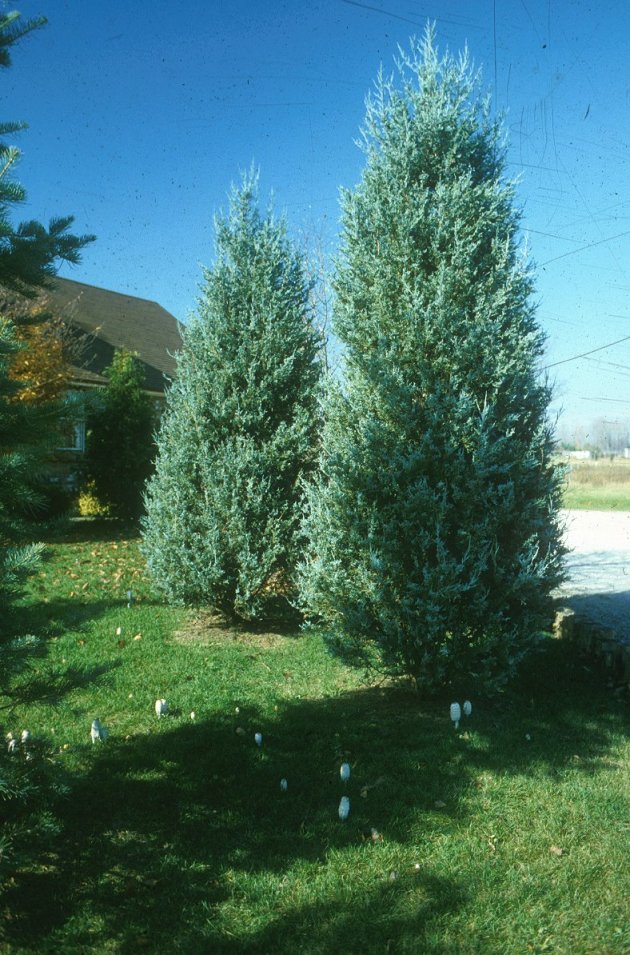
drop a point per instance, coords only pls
(585, 353)
(583, 248)
(620, 401)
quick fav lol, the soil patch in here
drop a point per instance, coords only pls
(203, 626)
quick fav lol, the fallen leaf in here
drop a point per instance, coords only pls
(368, 786)
(122, 643)
(557, 851)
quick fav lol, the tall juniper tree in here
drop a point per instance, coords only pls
(434, 522)
(239, 431)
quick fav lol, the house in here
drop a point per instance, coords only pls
(112, 320)
(103, 322)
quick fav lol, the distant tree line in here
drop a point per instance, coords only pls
(603, 436)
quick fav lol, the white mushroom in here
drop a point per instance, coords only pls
(456, 713)
(98, 731)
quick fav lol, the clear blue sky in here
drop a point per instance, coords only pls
(142, 113)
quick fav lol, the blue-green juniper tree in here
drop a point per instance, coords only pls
(240, 429)
(433, 525)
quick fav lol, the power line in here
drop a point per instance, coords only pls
(609, 364)
(621, 401)
(551, 235)
(584, 354)
(583, 248)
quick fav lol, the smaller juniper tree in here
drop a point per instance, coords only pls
(433, 526)
(120, 446)
(239, 433)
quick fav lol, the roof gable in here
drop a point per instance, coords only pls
(113, 320)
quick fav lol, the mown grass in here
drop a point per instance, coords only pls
(602, 485)
(506, 836)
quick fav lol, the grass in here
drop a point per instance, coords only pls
(506, 836)
(602, 485)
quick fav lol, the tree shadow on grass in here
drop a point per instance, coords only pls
(52, 686)
(58, 615)
(92, 530)
(175, 836)
(27, 679)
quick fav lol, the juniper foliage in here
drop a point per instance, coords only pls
(434, 522)
(239, 432)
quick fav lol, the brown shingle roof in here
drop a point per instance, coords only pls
(112, 320)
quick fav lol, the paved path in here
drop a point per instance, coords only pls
(598, 584)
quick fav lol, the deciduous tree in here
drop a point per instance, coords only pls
(120, 445)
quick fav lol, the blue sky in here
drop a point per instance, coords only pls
(142, 114)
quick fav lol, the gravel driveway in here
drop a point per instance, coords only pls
(598, 565)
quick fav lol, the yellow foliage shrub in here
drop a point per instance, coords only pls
(89, 504)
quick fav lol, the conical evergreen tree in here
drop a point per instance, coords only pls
(29, 255)
(239, 432)
(433, 526)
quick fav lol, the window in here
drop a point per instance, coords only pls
(74, 437)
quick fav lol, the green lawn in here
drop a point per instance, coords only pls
(506, 836)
